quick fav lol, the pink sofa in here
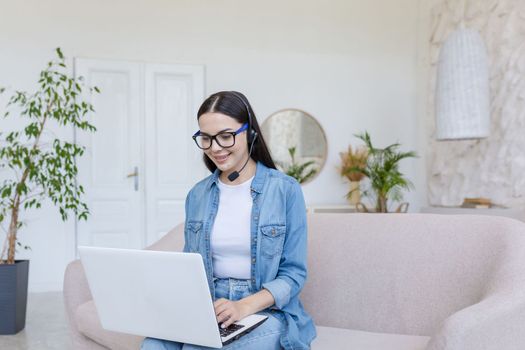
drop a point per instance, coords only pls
(384, 282)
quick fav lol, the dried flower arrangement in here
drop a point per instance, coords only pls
(353, 161)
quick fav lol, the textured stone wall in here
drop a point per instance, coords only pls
(493, 167)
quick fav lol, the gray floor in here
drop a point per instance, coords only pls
(46, 326)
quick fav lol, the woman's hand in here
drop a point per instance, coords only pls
(228, 311)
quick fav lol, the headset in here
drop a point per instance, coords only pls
(252, 134)
(251, 137)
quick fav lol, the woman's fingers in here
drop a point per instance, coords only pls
(221, 307)
(229, 321)
(219, 302)
(224, 317)
(226, 312)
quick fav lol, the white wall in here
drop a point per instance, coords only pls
(492, 167)
(351, 64)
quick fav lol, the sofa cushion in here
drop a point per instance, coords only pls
(338, 338)
(406, 274)
(328, 338)
(88, 324)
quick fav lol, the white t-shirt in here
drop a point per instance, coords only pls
(230, 237)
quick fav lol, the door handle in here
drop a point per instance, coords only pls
(135, 174)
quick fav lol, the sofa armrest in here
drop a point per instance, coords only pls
(496, 322)
(76, 288)
(76, 292)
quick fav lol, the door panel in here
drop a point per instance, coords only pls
(173, 162)
(112, 152)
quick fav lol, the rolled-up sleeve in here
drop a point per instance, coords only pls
(280, 291)
(292, 272)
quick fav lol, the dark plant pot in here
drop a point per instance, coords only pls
(13, 296)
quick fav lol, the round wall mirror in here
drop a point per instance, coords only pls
(297, 143)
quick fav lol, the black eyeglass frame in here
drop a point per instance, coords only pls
(243, 128)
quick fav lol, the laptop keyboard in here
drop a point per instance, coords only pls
(232, 328)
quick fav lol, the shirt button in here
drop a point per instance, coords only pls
(253, 261)
(273, 232)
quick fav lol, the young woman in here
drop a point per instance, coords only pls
(248, 221)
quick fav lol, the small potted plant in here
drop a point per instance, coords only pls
(39, 168)
(352, 163)
(297, 170)
(382, 170)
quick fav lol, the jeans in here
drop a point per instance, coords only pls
(264, 337)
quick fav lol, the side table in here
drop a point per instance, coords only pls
(331, 208)
(515, 213)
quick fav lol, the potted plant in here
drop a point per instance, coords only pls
(352, 163)
(39, 168)
(296, 170)
(382, 170)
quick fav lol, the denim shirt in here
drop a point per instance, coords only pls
(278, 244)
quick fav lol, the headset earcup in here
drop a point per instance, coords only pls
(252, 135)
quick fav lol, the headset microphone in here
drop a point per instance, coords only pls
(233, 176)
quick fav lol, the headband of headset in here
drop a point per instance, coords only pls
(251, 130)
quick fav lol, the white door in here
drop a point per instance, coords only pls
(173, 162)
(112, 153)
(135, 172)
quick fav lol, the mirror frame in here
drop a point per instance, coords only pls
(323, 133)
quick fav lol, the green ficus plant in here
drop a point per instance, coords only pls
(42, 169)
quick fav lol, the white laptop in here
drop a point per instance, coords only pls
(156, 294)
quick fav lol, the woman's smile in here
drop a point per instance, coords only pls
(221, 158)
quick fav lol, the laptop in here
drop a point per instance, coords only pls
(157, 294)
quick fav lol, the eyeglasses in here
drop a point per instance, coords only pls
(225, 139)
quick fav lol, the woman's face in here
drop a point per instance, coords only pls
(226, 159)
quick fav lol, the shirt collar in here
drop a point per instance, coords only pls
(261, 172)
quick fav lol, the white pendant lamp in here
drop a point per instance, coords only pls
(462, 88)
